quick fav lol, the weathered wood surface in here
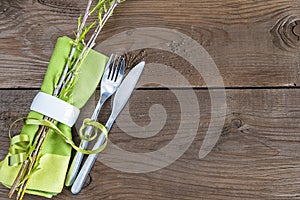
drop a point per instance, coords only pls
(254, 44)
(242, 37)
(257, 156)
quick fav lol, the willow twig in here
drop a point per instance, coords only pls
(34, 157)
(42, 129)
(25, 164)
(76, 41)
(91, 43)
(29, 163)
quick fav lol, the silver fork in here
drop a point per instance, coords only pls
(112, 77)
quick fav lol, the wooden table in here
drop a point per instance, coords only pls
(255, 46)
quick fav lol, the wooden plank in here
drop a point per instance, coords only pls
(256, 156)
(245, 39)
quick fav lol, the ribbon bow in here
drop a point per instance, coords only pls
(20, 144)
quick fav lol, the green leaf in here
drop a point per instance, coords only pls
(79, 22)
(86, 30)
(100, 15)
(104, 7)
(98, 6)
(69, 63)
(91, 26)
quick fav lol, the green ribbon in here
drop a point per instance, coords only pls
(89, 123)
(20, 144)
(19, 147)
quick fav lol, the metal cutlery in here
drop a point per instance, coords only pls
(120, 99)
(112, 77)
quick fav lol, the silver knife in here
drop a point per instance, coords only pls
(121, 98)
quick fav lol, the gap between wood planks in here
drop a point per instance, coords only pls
(185, 88)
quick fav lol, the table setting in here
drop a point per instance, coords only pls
(149, 99)
(38, 158)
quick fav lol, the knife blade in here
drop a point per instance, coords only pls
(120, 100)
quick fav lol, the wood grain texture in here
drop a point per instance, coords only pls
(255, 158)
(246, 39)
(253, 44)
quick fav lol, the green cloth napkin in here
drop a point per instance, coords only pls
(48, 179)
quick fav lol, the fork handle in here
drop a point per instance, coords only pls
(88, 164)
(84, 172)
(75, 166)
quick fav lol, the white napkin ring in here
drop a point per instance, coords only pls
(55, 108)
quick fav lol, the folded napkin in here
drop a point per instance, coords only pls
(48, 178)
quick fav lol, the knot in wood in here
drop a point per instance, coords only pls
(287, 33)
(296, 28)
(236, 123)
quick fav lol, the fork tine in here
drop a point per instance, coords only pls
(109, 62)
(117, 69)
(108, 66)
(121, 70)
(111, 67)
